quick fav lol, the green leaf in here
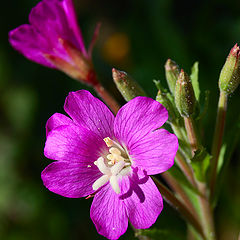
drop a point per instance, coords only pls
(159, 86)
(157, 234)
(194, 78)
(200, 163)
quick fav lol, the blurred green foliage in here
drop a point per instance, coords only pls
(148, 33)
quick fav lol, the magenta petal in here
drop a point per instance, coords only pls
(155, 151)
(90, 112)
(57, 120)
(108, 213)
(74, 144)
(142, 199)
(51, 18)
(30, 43)
(71, 180)
(73, 24)
(137, 118)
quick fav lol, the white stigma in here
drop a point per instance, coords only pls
(113, 167)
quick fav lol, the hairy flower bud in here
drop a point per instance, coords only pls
(230, 75)
(184, 95)
(126, 85)
(172, 71)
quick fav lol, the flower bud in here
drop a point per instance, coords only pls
(230, 75)
(172, 71)
(76, 66)
(126, 85)
(184, 95)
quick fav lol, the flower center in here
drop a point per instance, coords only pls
(115, 165)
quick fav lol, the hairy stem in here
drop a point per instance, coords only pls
(217, 140)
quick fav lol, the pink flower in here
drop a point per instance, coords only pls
(111, 158)
(54, 40)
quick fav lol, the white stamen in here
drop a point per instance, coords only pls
(102, 166)
(114, 151)
(114, 184)
(100, 182)
(117, 167)
(119, 158)
(113, 167)
(110, 157)
(125, 171)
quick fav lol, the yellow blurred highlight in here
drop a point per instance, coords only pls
(116, 48)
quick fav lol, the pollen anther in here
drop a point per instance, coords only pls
(108, 141)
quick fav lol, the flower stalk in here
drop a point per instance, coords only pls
(107, 98)
(186, 168)
(192, 134)
(217, 140)
(206, 212)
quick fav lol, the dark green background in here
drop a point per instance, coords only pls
(29, 94)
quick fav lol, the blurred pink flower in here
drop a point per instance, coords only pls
(53, 39)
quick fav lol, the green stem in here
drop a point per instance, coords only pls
(173, 183)
(107, 98)
(139, 235)
(192, 134)
(217, 140)
(179, 131)
(206, 212)
(173, 201)
(186, 168)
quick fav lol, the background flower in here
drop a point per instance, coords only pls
(53, 39)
